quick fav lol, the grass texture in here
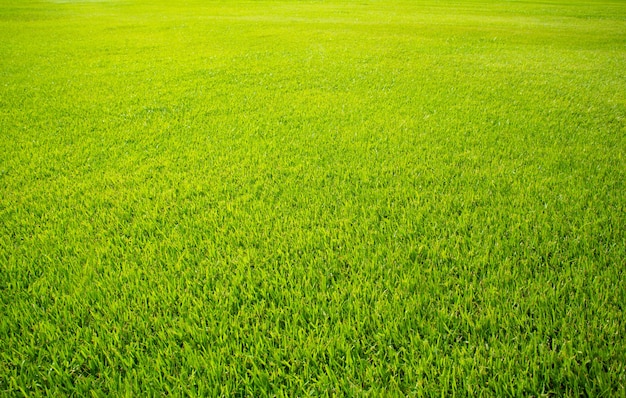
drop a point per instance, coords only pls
(312, 198)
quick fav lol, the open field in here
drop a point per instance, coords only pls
(293, 198)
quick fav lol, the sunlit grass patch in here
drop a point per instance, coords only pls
(312, 198)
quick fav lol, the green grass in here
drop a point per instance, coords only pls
(293, 198)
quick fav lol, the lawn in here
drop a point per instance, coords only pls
(296, 198)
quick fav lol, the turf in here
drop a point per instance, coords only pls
(295, 198)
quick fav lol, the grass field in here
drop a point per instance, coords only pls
(294, 198)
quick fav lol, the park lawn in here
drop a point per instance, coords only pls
(293, 198)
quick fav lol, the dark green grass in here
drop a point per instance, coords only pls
(312, 198)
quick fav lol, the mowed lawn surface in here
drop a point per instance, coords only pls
(299, 198)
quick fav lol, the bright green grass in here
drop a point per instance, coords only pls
(313, 198)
